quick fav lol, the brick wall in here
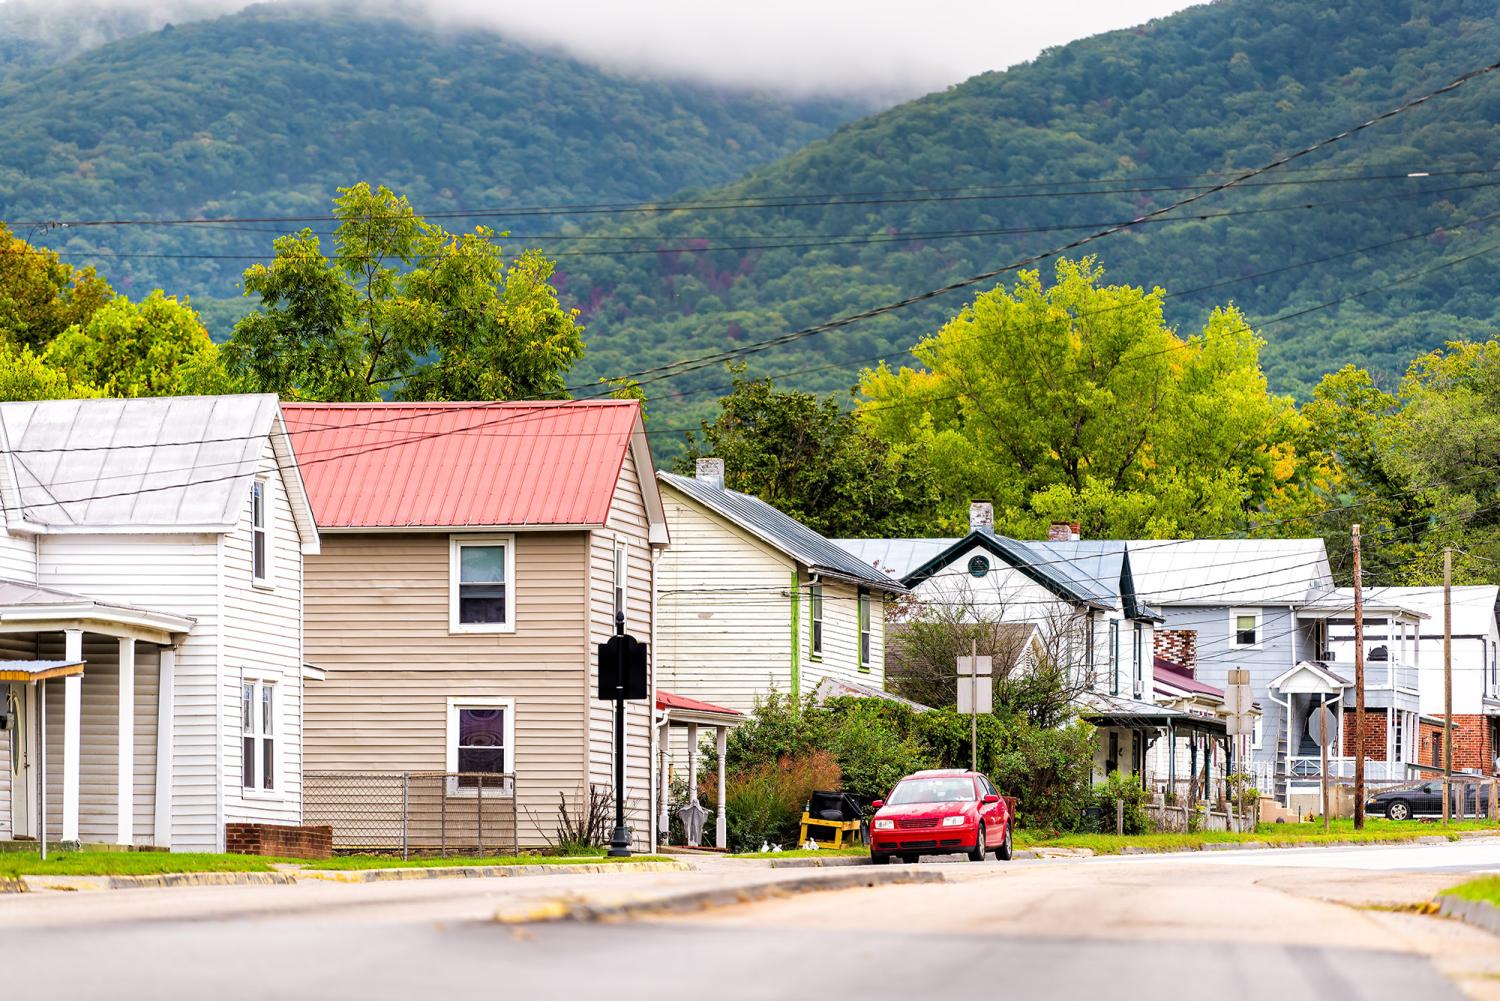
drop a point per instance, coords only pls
(306, 841)
(1429, 751)
(1473, 746)
(1371, 736)
(1178, 646)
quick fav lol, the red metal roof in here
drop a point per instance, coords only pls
(671, 700)
(440, 465)
(1181, 678)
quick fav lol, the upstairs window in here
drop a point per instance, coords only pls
(481, 597)
(1138, 662)
(815, 620)
(1244, 627)
(864, 631)
(258, 735)
(1114, 656)
(259, 538)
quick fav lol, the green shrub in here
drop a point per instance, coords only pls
(764, 802)
(1124, 789)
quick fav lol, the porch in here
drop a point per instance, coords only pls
(87, 760)
(683, 713)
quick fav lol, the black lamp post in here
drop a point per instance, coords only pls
(618, 650)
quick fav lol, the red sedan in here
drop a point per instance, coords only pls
(941, 813)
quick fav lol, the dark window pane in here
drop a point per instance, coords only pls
(481, 603)
(481, 728)
(268, 771)
(481, 759)
(248, 763)
(258, 553)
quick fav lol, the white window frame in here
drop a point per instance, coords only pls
(864, 631)
(259, 732)
(456, 543)
(1234, 628)
(457, 702)
(1114, 657)
(1258, 733)
(815, 621)
(622, 581)
(265, 531)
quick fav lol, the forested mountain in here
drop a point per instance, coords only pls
(268, 111)
(1091, 133)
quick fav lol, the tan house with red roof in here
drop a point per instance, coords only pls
(473, 557)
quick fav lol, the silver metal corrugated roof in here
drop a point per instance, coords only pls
(897, 557)
(782, 531)
(1229, 571)
(148, 464)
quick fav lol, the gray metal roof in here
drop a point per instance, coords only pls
(148, 464)
(1229, 571)
(897, 557)
(782, 531)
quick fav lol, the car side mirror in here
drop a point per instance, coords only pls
(877, 804)
(991, 798)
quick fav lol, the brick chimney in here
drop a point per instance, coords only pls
(1177, 646)
(1065, 531)
(710, 471)
(981, 516)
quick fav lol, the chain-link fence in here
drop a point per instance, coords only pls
(448, 813)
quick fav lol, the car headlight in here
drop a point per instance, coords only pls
(958, 821)
(885, 825)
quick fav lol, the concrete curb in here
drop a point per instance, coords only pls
(688, 901)
(484, 871)
(157, 880)
(1479, 913)
(830, 862)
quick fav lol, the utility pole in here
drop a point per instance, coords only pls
(1359, 692)
(1323, 751)
(1447, 679)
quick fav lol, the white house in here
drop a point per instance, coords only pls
(751, 601)
(150, 614)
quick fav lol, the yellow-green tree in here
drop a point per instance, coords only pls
(156, 347)
(40, 295)
(1075, 401)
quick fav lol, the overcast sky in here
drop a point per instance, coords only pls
(898, 49)
(881, 48)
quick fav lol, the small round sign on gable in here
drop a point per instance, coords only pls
(979, 565)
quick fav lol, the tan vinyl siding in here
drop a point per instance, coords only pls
(724, 629)
(376, 621)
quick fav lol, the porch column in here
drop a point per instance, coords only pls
(692, 790)
(161, 827)
(721, 825)
(664, 767)
(72, 721)
(125, 761)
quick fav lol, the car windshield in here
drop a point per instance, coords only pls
(957, 790)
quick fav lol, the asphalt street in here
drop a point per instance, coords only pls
(1284, 924)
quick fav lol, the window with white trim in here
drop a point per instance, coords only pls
(260, 541)
(815, 620)
(1138, 663)
(1114, 656)
(864, 630)
(481, 738)
(622, 576)
(481, 592)
(1259, 732)
(1244, 627)
(258, 735)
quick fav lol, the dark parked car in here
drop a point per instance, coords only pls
(1427, 800)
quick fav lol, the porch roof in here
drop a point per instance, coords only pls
(1116, 710)
(689, 710)
(35, 607)
(38, 670)
(1324, 681)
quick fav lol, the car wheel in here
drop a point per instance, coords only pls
(1003, 853)
(911, 859)
(1398, 809)
(879, 858)
(979, 850)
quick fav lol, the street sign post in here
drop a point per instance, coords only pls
(976, 695)
(624, 675)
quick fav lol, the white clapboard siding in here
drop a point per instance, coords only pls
(17, 557)
(168, 573)
(840, 657)
(627, 523)
(262, 641)
(723, 610)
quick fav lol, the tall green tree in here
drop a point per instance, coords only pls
(156, 347)
(1075, 401)
(402, 307)
(811, 458)
(41, 295)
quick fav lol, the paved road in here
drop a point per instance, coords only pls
(1237, 925)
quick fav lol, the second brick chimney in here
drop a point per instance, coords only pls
(981, 516)
(1065, 531)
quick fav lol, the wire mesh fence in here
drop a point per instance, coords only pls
(415, 813)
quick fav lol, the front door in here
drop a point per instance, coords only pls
(21, 745)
